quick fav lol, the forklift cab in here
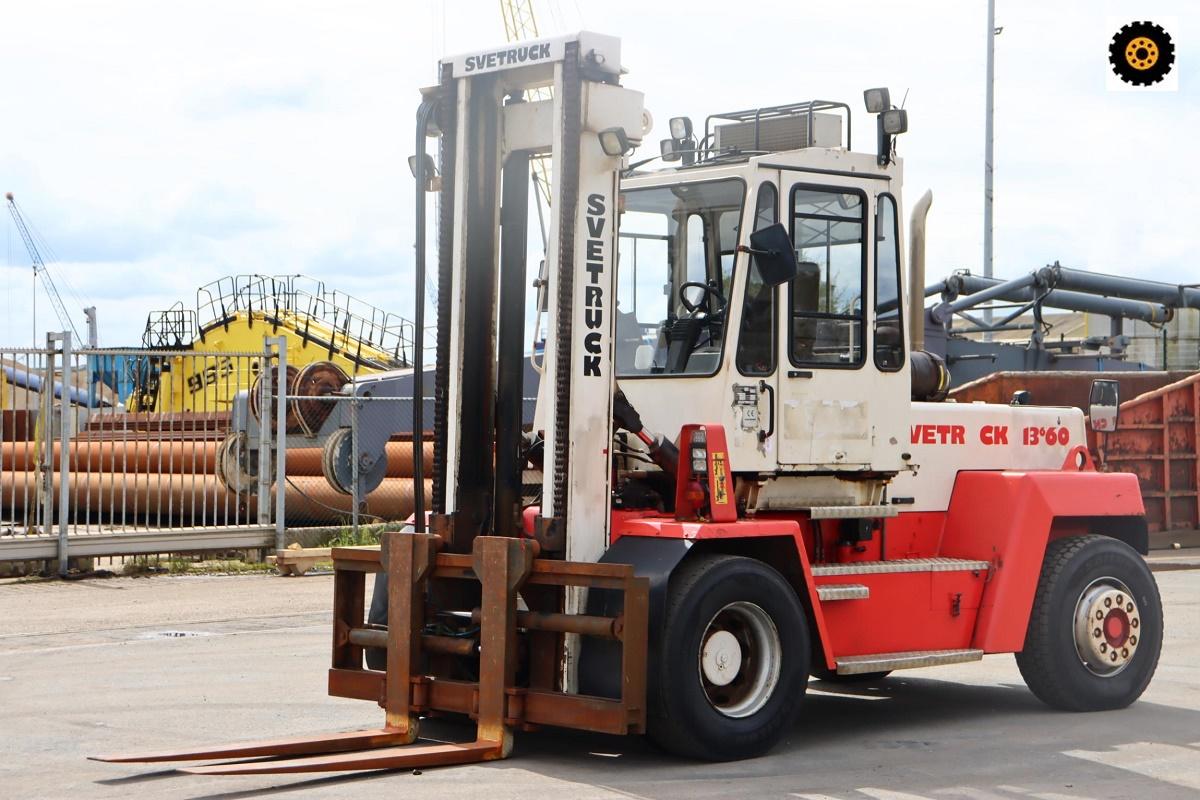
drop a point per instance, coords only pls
(807, 375)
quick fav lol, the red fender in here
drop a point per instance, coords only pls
(666, 527)
(1006, 517)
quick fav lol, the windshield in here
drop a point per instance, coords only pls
(677, 246)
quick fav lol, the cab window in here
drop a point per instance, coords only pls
(756, 334)
(889, 322)
(826, 296)
(677, 245)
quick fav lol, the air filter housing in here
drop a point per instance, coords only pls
(780, 133)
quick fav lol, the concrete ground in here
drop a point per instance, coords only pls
(98, 666)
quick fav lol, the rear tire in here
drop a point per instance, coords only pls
(735, 658)
(1096, 627)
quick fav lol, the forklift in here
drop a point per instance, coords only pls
(749, 479)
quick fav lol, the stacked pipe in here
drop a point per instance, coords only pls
(154, 481)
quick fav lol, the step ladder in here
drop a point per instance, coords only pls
(886, 662)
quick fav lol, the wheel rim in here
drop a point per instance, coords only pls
(1107, 627)
(739, 660)
(1141, 53)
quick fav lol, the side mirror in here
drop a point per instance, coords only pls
(1104, 405)
(771, 249)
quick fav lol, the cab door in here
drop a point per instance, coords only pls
(832, 399)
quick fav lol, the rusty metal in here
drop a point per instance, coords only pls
(450, 645)
(503, 569)
(502, 565)
(1156, 439)
(310, 390)
(1058, 388)
(296, 746)
(434, 755)
(602, 627)
(293, 422)
(409, 557)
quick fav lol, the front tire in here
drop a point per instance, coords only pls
(735, 660)
(1096, 627)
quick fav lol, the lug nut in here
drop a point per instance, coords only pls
(1124, 652)
(1133, 640)
(1129, 608)
(1096, 633)
(1133, 622)
(1120, 600)
(1099, 614)
(1103, 647)
(1112, 656)
(1108, 602)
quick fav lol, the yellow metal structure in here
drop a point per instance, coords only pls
(197, 361)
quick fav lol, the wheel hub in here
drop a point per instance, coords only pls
(721, 658)
(740, 659)
(1106, 627)
(1141, 53)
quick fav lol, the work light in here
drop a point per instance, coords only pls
(614, 142)
(877, 100)
(895, 121)
(681, 128)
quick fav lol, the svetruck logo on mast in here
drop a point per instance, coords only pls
(508, 57)
(1142, 54)
(593, 292)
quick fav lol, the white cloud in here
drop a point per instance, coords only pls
(160, 146)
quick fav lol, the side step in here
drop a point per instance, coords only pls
(883, 662)
(900, 565)
(843, 591)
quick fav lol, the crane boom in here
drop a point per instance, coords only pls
(520, 23)
(39, 267)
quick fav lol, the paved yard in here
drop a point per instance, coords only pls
(128, 664)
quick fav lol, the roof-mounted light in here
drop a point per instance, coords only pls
(670, 150)
(681, 128)
(895, 121)
(877, 100)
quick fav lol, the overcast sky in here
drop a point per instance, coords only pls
(158, 146)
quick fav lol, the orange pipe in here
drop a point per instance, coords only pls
(201, 500)
(181, 458)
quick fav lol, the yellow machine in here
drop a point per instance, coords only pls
(209, 361)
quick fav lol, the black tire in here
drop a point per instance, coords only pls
(1079, 576)
(712, 598)
(1141, 53)
(823, 673)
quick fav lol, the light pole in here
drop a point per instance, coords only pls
(987, 157)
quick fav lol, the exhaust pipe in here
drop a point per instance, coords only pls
(916, 271)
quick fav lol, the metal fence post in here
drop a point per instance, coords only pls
(354, 498)
(64, 459)
(281, 444)
(264, 436)
(46, 418)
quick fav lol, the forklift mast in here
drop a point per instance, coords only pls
(489, 132)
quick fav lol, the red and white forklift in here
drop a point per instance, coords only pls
(749, 475)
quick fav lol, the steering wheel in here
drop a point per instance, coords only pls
(710, 293)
